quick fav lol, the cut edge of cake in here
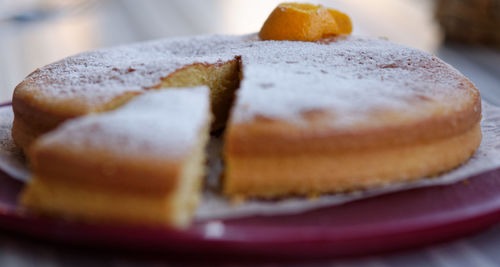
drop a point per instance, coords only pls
(88, 188)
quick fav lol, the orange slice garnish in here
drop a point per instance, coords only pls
(343, 21)
(304, 22)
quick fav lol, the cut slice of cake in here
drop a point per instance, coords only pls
(141, 163)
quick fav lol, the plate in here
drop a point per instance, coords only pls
(395, 221)
(384, 223)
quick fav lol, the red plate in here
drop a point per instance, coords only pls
(384, 223)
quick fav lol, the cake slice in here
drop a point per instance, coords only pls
(141, 163)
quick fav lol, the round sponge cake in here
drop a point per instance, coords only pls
(308, 117)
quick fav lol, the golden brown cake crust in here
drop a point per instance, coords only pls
(54, 198)
(309, 173)
(299, 104)
(103, 169)
(263, 136)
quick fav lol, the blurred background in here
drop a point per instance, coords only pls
(34, 33)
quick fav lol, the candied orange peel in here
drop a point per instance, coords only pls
(304, 22)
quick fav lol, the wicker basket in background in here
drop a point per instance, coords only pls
(470, 21)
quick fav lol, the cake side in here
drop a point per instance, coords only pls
(312, 173)
(148, 154)
(312, 131)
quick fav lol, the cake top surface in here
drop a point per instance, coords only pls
(351, 78)
(163, 124)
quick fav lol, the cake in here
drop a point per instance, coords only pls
(301, 118)
(142, 163)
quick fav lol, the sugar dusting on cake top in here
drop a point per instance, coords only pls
(161, 124)
(350, 77)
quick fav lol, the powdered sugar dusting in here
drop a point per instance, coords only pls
(350, 77)
(96, 77)
(163, 123)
